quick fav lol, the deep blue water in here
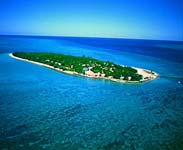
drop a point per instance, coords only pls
(44, 109)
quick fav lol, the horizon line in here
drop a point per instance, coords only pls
(71, 36)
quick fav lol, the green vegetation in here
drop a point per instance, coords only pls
(82, 64)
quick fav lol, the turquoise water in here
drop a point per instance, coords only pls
(44, 109)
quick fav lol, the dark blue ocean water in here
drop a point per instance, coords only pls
(44, 109)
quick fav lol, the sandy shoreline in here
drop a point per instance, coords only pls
(147, 75)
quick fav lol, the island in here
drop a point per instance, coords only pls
(86, 66)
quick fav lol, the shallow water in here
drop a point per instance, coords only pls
(44, 109)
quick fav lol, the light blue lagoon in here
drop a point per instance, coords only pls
(44, 109)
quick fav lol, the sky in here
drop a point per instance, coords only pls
(136, 19)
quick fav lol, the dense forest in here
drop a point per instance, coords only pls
(81, 64)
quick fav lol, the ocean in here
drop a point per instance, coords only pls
(42, 109)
